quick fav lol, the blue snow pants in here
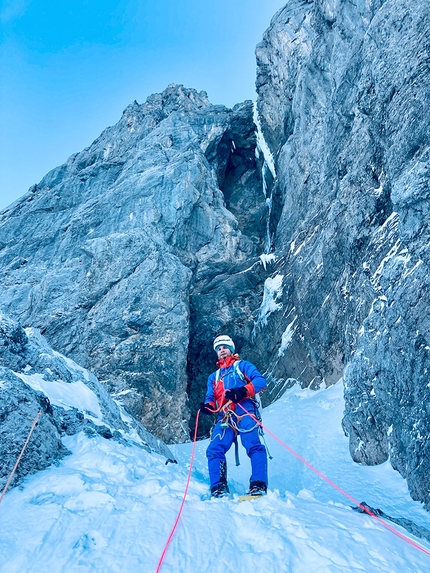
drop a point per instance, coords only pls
(221, 441)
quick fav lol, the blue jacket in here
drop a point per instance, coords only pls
(226, 378)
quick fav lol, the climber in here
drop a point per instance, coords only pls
(235, 382)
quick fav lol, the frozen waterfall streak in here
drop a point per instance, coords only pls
(325, 478)
(185, 495)
(36, 419)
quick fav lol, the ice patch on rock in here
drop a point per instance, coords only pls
(287, 337)
(272, 292)
(267, 259)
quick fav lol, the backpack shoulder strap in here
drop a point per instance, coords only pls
(245, 378)
(237, 370)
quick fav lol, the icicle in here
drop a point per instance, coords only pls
(268, 163)
(262, 145)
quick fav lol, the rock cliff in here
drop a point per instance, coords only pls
(105, 254)
(306, 240)
(34, 378)
(343, 95)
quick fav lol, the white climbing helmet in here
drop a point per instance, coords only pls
(223, 340)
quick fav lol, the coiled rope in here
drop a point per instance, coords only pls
(36, 419)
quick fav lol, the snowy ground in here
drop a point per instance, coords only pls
(109, 508)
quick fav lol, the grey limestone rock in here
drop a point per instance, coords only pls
(137, 251)
(407, 524)
(343, 101)
(30, 374)
(105, 252)
(19, 406)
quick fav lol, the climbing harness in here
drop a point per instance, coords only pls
(36, 419)
(230, 414)
(232, 419)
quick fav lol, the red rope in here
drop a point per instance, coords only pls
(185, 495)
(36, 419)
(392, 529)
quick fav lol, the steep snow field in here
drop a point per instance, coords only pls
(110, 507)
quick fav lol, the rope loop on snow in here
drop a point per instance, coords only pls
(184, 496)
(325, 478)
(36, 419)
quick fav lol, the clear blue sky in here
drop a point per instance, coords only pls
(68, 68)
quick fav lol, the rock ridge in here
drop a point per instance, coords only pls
(33, 379)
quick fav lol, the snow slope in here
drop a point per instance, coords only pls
(110, 507)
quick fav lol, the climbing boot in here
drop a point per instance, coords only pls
(257, 488)
(220, 490)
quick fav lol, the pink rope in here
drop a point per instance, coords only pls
(325, 478)
(36, 419)
(310, 466)
(183, 499)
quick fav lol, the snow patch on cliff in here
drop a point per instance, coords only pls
(287, 337)
(262, 145)
(65, 394)
(272, 292)
(267, 259)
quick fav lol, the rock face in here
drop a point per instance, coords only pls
(104, 254)
(343, 100)
(133, 255)
(34, 378)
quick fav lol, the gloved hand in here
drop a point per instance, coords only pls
(206, 409)
(236, 394)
